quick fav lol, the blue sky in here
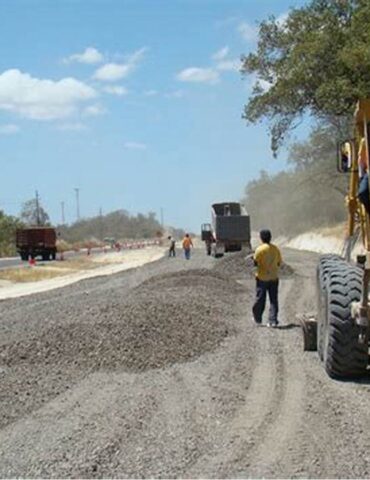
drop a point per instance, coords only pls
(136, 102)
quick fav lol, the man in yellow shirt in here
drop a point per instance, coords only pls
(267, 258)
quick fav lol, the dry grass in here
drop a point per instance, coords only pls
(30, 274)
(46, 272)
(80, 263)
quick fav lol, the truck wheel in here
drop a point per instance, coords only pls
(327, 263)
(344, 355)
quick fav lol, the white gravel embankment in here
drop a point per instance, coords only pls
(316, 242)
(325, 240)
(111, 263)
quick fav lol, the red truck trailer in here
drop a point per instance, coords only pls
(36, 241)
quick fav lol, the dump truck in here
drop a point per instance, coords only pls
(36, 241)
(342, 324)
(229, 231)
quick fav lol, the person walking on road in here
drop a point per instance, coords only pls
(172, 247)
(187, 244)
(267, 258)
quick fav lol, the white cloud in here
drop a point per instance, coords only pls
(90, 56)
(211, 75)
(228, 65)
(111, 72)
(137, 56)
(175, 94)
(9, 129)
(41, 99)
(198, 75)
(248, 32)
(94, 110)
(73, 127)
(116, 90)
(151, 93)
(135, 146)
(221, 54)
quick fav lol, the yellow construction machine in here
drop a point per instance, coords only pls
(343, 319)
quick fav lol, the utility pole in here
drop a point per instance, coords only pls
(101, 223)
(37, 209)
(77, 190)
(162, 221)
(63, 218)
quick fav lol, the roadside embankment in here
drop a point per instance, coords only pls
(323, 240)
(18, 282)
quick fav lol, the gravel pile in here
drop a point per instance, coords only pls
(166, 320)
(241, 265)
(170, 318)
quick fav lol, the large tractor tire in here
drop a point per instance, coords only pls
(327, 263)
(343, 354)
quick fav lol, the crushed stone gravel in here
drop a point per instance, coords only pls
(172, 317)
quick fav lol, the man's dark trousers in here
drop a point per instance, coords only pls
(262, 288)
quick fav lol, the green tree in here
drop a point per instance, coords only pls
(8, 226)
(316, 62)
(33, 213)
(118, 225)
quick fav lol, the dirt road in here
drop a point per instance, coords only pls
(160, 372)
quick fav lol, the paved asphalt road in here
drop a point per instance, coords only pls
(17, 262)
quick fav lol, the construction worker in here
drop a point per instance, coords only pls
(172, 247)
(267, 258)
(363, 189)
(187, 244)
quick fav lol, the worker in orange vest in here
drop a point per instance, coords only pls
(187, 244)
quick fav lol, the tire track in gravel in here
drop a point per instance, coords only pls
(271, 425)
(260, 408)
(269, 457)
(336, 432)
(291, 439)
(283, 407)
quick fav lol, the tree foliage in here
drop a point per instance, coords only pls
(33, 213)
(119, 225)
(8, 226)
(315, 62)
